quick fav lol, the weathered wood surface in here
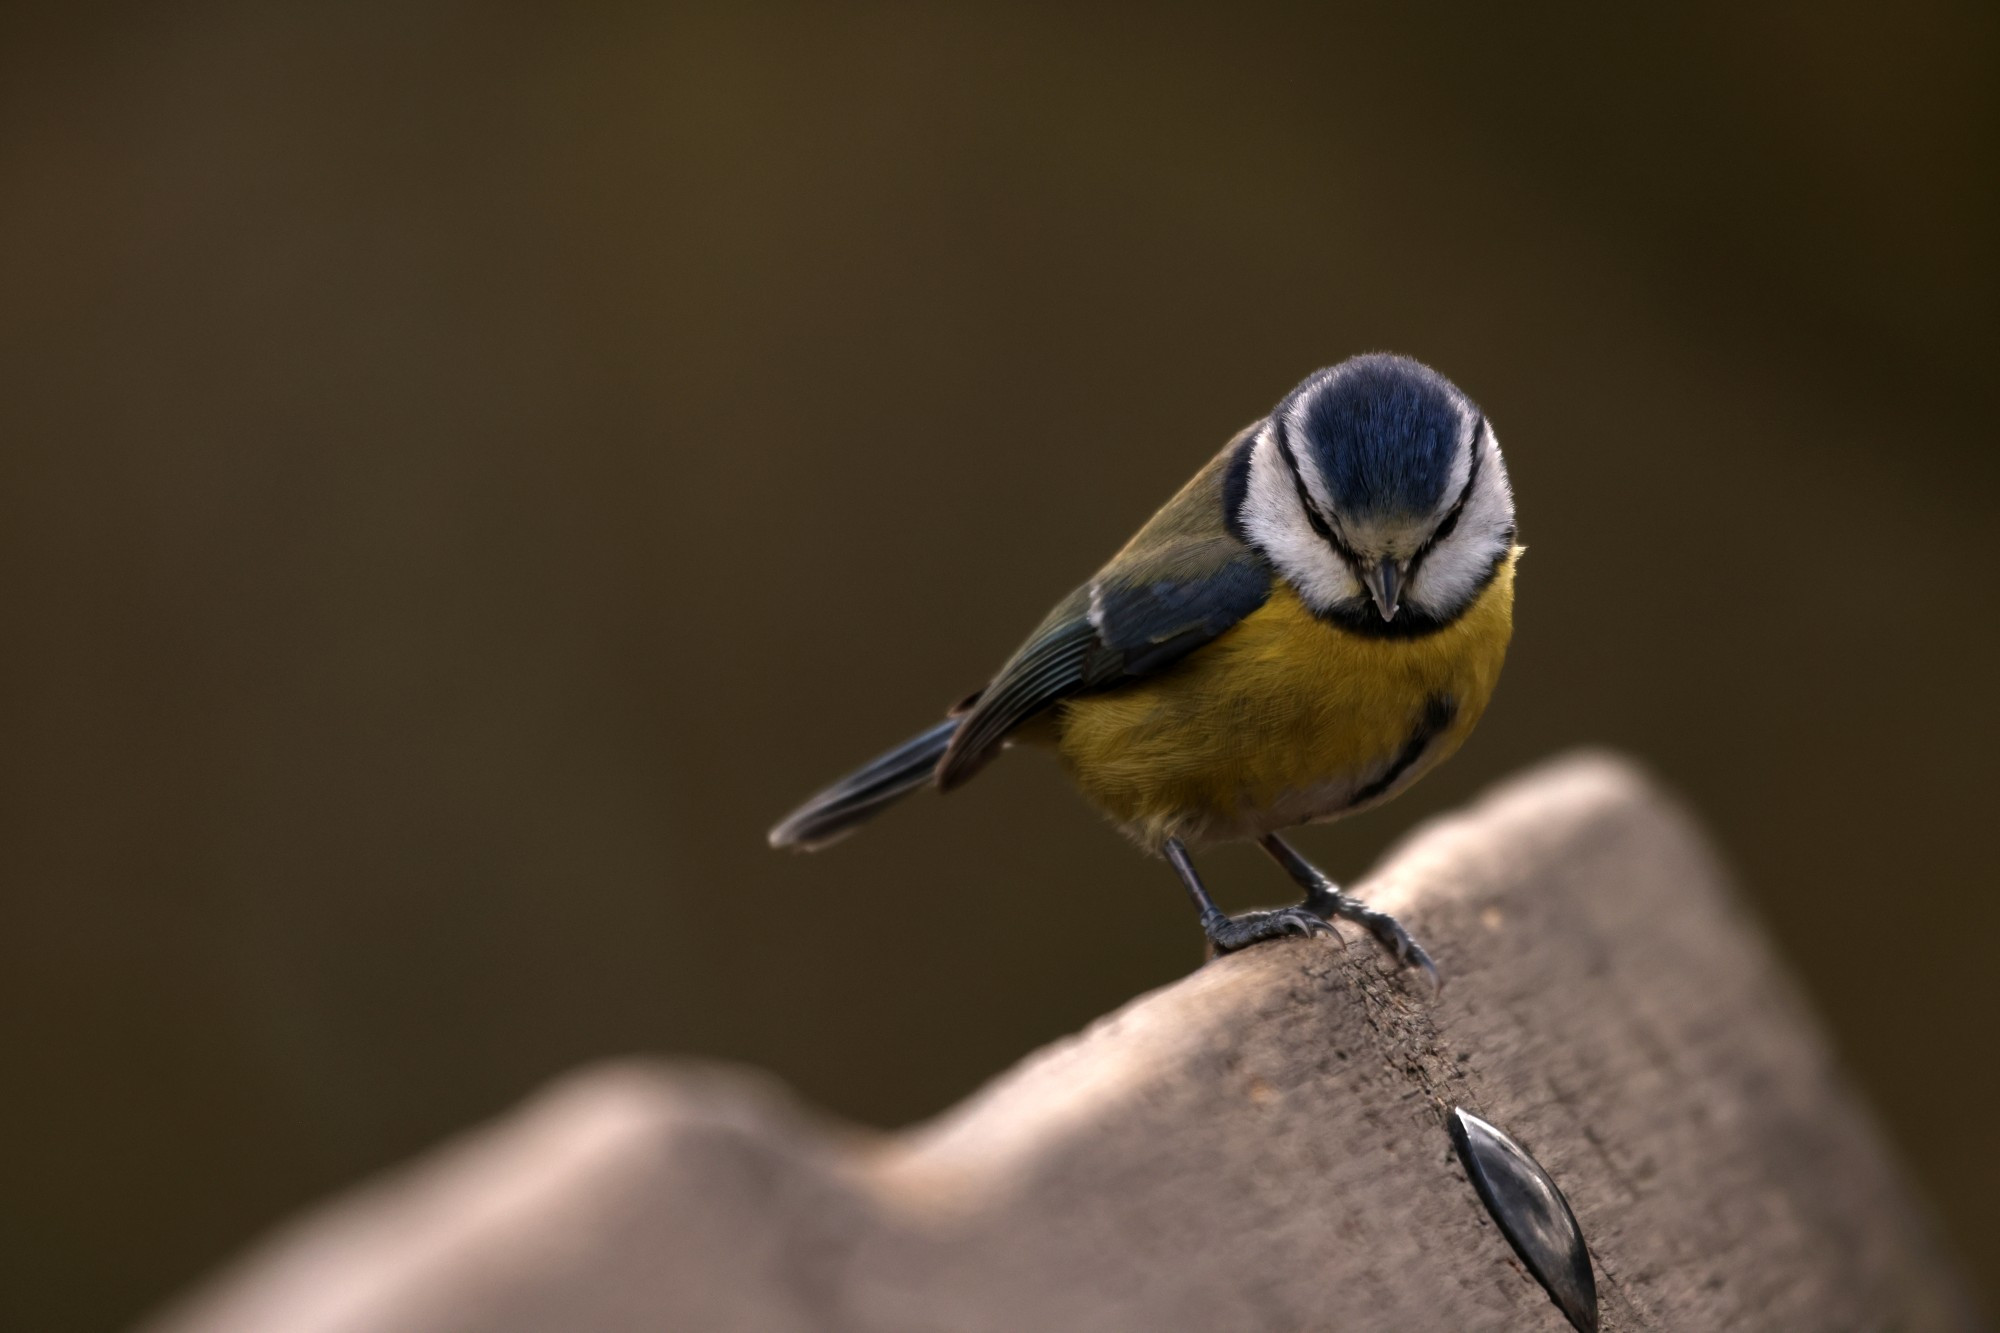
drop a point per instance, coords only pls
(1259, 1146)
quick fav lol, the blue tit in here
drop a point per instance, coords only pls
(1316, 620)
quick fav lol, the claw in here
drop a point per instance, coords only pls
(1384, 929)
(1406, 951)
(1420, 961)
(1229, 934)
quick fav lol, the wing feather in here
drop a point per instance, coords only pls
(1185, 578)
(1128, 631)
(1041, 673)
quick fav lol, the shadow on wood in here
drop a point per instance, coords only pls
(1259, 1146)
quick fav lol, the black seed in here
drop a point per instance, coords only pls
(1532, 1214)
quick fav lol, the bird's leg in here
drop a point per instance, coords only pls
(1228, 933)
(1324, 899)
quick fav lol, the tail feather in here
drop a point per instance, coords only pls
(857, 798)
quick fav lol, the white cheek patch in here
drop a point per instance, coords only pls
(1455, 569)
(1276, 524)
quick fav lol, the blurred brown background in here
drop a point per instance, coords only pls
(467, 469)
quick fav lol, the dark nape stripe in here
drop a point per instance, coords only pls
(1236, 488)
(1439, 711)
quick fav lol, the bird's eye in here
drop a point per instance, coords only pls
(1318, 521)
(1321, 525)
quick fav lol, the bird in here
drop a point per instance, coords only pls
(1313, 622)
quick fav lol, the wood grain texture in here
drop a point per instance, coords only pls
(1259, 1146)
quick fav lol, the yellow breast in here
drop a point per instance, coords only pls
(1284, 719)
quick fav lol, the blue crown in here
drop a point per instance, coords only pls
(1383, 430)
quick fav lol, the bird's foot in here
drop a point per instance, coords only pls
(1388, 931)
(1230, 933)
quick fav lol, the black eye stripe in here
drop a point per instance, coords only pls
(1450, 522)
(1313, 516)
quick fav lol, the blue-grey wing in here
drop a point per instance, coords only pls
(1135, 618)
